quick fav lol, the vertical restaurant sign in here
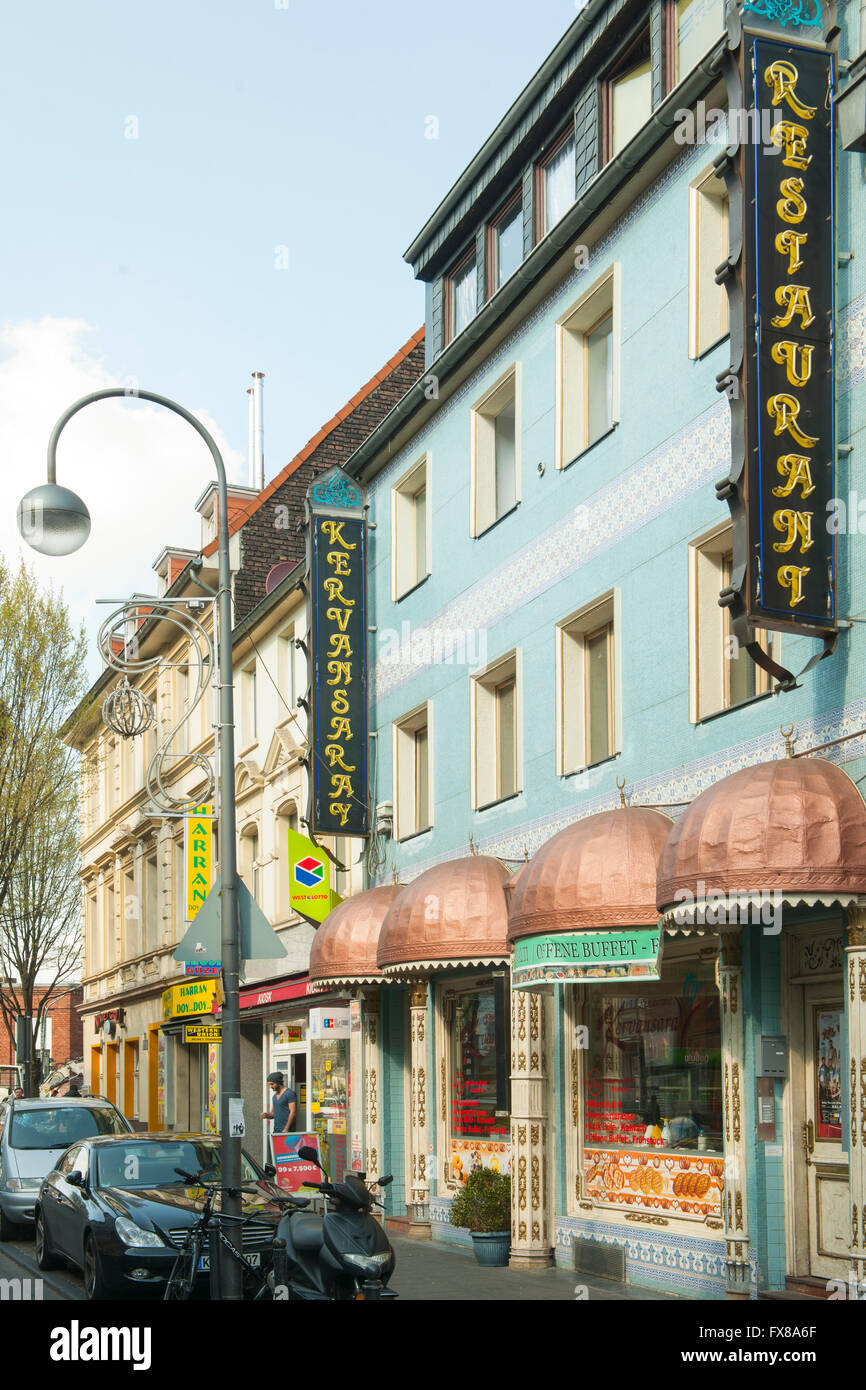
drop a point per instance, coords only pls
(338, 656)
(784, 537)
(198, 856)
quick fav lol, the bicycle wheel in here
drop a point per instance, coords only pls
(181, 1281)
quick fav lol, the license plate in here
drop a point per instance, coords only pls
(254, 1261)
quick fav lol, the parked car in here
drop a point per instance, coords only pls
(34, 1134)
(118, 1209)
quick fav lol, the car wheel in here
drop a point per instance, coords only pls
(95, 1286)
(45, 1256)
(8, 1229)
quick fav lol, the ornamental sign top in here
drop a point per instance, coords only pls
(792, 14)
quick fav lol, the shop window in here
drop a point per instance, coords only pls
(708, 248)
(478, 1053)
(504, 243)
(693, 26)
(722, 674)
(628, 96)
(412, 773)
(496, 730)
(555, 183)
(587, 690)
(653, 1106)
(495, 453)
(587, 369)
(461, 295)
(410, 529)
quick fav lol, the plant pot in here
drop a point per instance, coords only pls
(492, 1248)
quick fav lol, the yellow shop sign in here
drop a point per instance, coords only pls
(194, 996)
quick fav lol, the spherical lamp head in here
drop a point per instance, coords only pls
(53, 520)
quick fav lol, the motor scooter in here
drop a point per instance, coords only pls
(341, 1255)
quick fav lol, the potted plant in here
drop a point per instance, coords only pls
(483, 1207)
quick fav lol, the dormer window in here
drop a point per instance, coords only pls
(628, 97)
(693, 26)
(504, 243)
(555, 185)
(461, 296)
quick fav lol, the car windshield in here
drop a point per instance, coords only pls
(155, 1164)
(56, 1127)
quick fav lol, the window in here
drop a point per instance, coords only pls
(286, 669)
(110, 926)
(93, 941)
(693, 26)
(495, 454)
(249, 867)
(179, 905)
(412, 773)
(504, 244)
(708, 248)
(286, 820)
(587, 690)
(722, 675)
(131, 916)
(587, 369)
(461, 296)
(628, 96)
(250, 713)
(496, 726)
(477, 1061)
(151, 904)
(410, 529)
(555, 184)
(181, 708)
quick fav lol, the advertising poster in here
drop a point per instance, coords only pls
(292, 1171)
(828, 1057)
(467, 1156)
(687, 1185)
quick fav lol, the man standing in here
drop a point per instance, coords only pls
(285, 1104)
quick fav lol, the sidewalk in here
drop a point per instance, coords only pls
(432, 1270)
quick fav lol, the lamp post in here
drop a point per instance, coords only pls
(55, 521)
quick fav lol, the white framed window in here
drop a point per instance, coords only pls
(110, 924)
(411, 529)
(131, 911)
(708, 248)
(151, 904)
(413, 803)
(495, 452)
(588, 368)
(94, 945)
(250, 705)
(721, 674)
(496, 731)
(588, 705)
(249, 860)
(286, 669)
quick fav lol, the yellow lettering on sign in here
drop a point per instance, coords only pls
(341, 728)
(791, 244)
(334, 589)
(340, 616)
(198, 859)
(785, 354)
(794, 138)
(340, 786)
(341, 671)
(796, 525)
(339, 644)
(794, 467)
(339, 701)
(791, 207)
(339, 561)
(786, 410)
(341, 809)
(783, 78)
(334, 531)
(335, 755)
(791, 577)
(796, 299)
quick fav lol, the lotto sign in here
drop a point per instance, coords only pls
(309, 872)
(199, 845)
(310, 891)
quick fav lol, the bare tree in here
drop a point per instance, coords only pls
(42, 679)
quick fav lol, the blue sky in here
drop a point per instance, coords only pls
(258, 127)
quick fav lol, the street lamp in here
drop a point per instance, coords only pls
(55, 521)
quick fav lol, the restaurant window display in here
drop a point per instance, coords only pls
(652, 1103)
(478, 1052)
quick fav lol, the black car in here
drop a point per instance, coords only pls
(112, 1203)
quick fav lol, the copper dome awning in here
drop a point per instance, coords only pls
(344, 947)
(598, 873)
(452, 914)
(795, 827)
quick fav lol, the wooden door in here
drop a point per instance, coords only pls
(821, 1133)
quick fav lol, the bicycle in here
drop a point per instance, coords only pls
(207, 1234)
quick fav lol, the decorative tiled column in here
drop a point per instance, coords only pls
(855, 1013)
(735, 1205)
(419, 1190)
(372, 1123)
(530, 1234)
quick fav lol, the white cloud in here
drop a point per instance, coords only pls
(138, 467)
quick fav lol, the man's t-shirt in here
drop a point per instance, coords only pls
(281, 1109)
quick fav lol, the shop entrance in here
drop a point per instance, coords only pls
(824, 1165)
(292, 1061)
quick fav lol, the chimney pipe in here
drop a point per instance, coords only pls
(251, 443)
(258, 379)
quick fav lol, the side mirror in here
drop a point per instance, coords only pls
(383, 1182)
(310, 1155)
(270, 1170)
(75, 1178)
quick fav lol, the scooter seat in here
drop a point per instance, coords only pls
(306, 1232)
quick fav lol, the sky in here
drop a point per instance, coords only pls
(201, 189)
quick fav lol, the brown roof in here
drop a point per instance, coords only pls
(794, 825)
(599, 872)
(454, 913)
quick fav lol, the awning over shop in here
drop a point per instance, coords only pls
(793, 829)
(453, 914)
(584, 906)
(345, 945)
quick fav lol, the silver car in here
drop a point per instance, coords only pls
(33, 1136)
